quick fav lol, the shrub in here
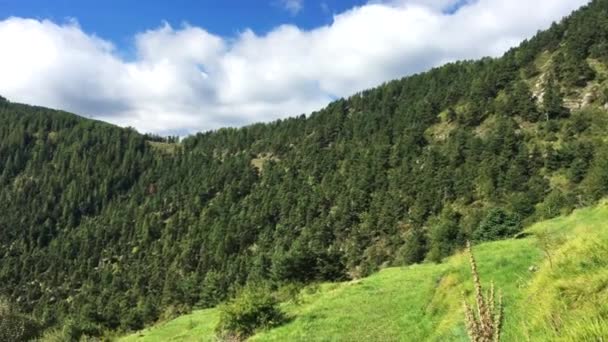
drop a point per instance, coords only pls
(556, 203)
(254, 308)
(290, 292)
(73, 330)
(413, 249)
(445, 235)
(496, 225)
(78, 329)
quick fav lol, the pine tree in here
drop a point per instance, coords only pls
(553, 100)
(521, 102)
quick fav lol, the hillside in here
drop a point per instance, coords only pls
(105, 229)
(544, 301)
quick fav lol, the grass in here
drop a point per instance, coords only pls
(197, 326)
(565, 301)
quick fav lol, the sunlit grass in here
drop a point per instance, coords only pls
(197, 326)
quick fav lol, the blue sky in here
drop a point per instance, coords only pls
(118, 20)
(182, 66)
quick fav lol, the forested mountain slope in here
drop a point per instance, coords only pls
(116, 229)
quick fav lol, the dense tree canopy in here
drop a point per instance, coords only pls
(115, 229)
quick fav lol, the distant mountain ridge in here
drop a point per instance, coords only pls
(114, 229)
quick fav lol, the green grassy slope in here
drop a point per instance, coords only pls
(563, 299)
(197, 326)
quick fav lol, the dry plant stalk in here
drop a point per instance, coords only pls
(483, 324)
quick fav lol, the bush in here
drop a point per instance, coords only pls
(445, 235)
(254, 308)
(413, 249)
(290, 292)
(73, 330)
(556, 203)
(498, 224)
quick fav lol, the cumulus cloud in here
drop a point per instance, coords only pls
(186, 79)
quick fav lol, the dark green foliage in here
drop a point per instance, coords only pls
(253, 309)
(521, 102)
(102, 227)
(578, 169)
(77, 330)
(557, 202)
(498, 224)
(572, 69)
(414, 248)
(596, 183)
(552, 159)
(290, 293)
(445, 235)
(553, 100)
(212, 289)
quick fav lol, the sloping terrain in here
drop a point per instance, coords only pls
(106, 230)
(547, 297)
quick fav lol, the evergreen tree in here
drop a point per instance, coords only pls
(521, 102)
(553, 100)
(106, 228)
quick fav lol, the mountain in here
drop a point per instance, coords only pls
(104, 228)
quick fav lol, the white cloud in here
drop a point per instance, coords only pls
(186, 79)
(292, 6)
